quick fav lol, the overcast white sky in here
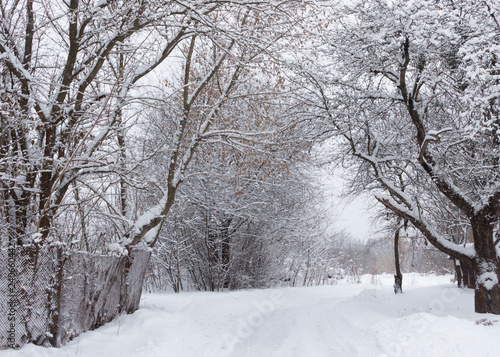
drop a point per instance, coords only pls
(350, 214)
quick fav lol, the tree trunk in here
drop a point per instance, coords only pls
(487, 291)
(486, 266)
(458, 273)
(398, 278)
(225, 251)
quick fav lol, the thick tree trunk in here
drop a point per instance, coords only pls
(487, 294)
(486, 266)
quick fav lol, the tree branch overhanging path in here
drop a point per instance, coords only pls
(403, 95)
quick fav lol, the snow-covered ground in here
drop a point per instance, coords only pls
(431, 318)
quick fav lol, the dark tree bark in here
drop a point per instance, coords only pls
(486, 265)
(398, 277)
(458, 272)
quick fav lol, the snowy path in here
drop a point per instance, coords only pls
(432, 318)
(315, 331)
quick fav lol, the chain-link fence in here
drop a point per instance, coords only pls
(50, 295)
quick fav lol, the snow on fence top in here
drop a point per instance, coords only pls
(50, 295)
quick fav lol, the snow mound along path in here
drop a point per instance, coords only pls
(431, 318)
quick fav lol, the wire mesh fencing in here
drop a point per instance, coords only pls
(50, 295)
